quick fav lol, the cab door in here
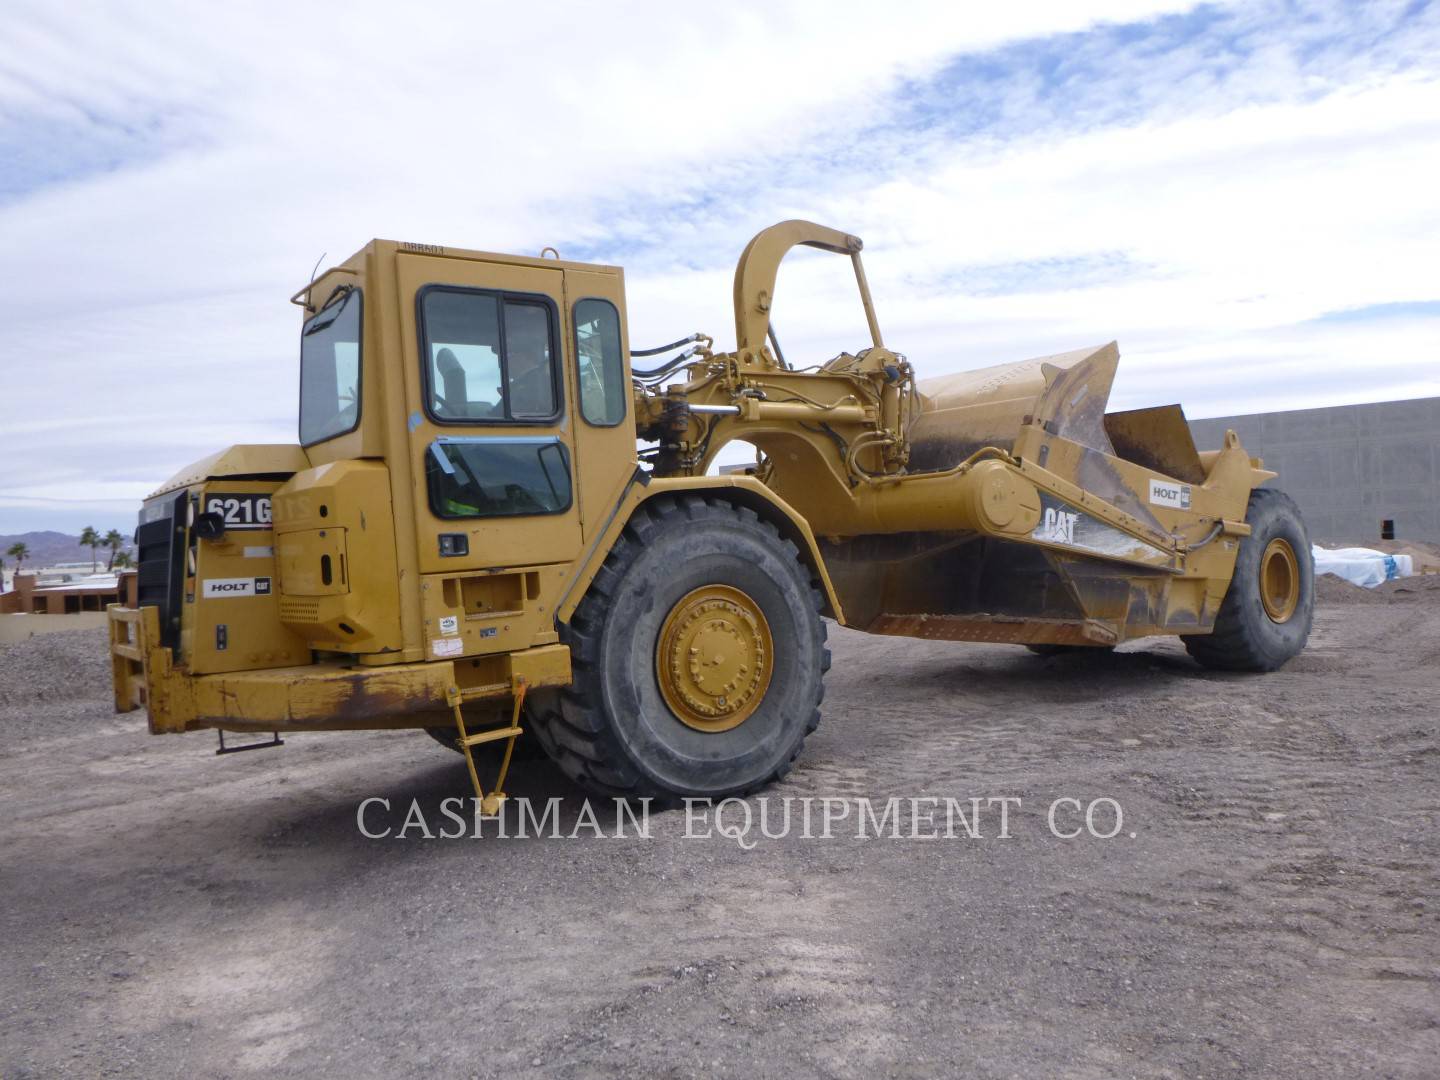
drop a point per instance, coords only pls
(491, 447)
(604, 423)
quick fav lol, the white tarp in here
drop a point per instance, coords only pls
(1362, 566)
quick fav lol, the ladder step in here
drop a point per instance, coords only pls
(491, 690)
(492, 736)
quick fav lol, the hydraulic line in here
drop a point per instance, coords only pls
(666, 348)
(664, 369)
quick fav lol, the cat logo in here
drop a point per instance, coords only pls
(1057, 527)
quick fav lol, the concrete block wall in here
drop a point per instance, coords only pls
(1349, 467)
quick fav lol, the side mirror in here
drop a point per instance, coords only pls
(209, 526)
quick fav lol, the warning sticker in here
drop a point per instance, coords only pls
(447, 647)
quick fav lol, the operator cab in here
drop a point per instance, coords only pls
(491, 401)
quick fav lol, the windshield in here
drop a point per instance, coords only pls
(330, 370)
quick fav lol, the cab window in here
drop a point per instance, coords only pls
(602, 367)
(488, 356)
(498, 476)
(330, 369)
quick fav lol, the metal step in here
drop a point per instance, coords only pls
(491, 736)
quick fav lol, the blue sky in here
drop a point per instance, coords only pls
(1242, 195)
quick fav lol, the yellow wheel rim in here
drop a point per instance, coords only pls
(1279, 580)
(714, 658)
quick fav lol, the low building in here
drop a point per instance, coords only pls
(62, 591)
(1360, 473)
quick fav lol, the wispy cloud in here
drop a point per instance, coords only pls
(1210, 184)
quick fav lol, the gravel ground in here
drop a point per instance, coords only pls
(1269, 907)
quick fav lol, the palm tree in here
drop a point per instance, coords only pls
(91, 539)
(19, 552)
(114, 541)
(122, 561)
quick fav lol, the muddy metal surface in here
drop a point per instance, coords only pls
(165, 912)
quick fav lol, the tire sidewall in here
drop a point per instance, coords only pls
(669, 753)
(1273, 515)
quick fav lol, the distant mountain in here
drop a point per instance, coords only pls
(48, 548)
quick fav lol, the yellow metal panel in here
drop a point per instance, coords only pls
(490, 611)
(256, 459)
(237, 628)
(548, 665)
(303, 557)
(318, 697)
(324, 696)
(340, 513)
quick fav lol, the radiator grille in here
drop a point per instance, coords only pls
(299, 609)
(160, 567)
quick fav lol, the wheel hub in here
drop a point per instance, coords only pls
(1279, 580)
(714, 658)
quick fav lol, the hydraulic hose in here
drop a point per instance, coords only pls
(666, 348)
(664, 369)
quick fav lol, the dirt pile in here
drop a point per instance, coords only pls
(1330, 589)
(1268, 908)
(62, 666)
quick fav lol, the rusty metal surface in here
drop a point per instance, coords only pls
(318, 697)
(996, 628)
(1073, 405)
(1157, 438)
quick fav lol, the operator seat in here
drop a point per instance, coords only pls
(455, 401)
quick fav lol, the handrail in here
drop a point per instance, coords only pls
(759, 263)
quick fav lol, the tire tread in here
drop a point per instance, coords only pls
(571, 727)
(1238, 641)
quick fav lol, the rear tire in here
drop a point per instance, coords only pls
(1266, 615)
(697, 600)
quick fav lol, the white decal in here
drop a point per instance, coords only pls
(236, 586)
(447, 646)
(259, 553)
(449, 624)
(241, 511)
(1057, 527)
(1168, 493)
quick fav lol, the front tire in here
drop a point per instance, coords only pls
(1267, 612)
(698, 656)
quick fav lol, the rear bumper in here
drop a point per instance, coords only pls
(327, 696)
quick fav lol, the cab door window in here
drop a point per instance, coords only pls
(529, 360)
(488, 356)
(603, 387)
(498, 476)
